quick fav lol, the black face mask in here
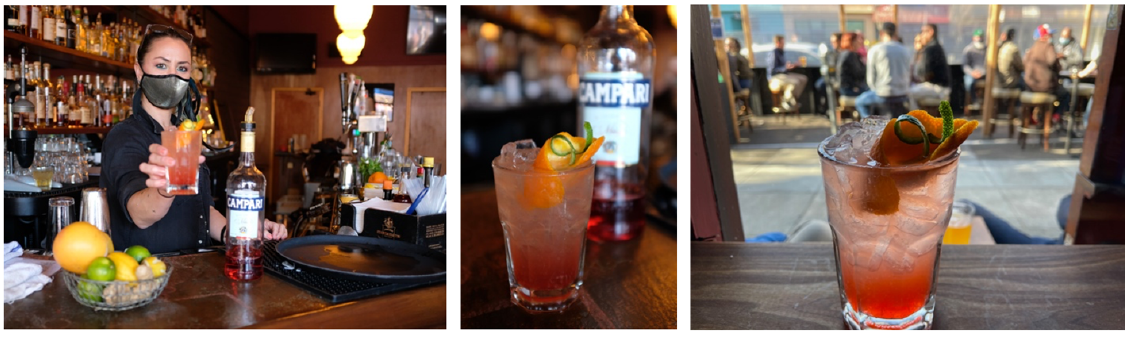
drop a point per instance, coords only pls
(168, 91)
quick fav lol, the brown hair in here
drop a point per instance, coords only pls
(847, 42)
(153, 35)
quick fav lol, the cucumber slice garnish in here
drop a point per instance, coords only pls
(909, 139)
(561, 145)
(587, 135)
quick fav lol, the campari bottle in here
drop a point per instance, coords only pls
(246, 198)
(616, 62)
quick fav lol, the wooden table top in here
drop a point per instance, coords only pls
(199, 296)
(631, 284)
(793, 286)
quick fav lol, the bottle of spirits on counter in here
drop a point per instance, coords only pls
(387, 187)
(246, 198)
(401, 193)
(616, 64)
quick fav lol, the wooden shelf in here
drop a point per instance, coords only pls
(62, 57)
(73, 131)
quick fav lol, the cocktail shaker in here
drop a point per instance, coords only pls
(95, 210)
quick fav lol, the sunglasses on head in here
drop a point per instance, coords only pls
(161, 29)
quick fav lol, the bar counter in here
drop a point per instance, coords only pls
(794, 286)
(199, 296)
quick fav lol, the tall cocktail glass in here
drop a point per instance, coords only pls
(544, 246)
(887, 224)
(184, 149)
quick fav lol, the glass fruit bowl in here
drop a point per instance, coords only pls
(115, 295)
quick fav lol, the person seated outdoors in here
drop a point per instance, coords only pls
(1089, 71)
(1009, 64)
(861, 46)
(1041, 71)
(829, 55)
(1069, 50)
(887, 71)
(931, 68)
(974, 65)
(791, 84)
(851, 70)
(739, 68)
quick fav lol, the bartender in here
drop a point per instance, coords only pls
(134, 162)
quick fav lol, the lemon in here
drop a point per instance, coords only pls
(138, 252)
(125, 265)
(159, 268)
(101, 269)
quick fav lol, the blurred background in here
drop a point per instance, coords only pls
(519, 80)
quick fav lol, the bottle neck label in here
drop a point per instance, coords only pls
(613, 103)
(246, 141)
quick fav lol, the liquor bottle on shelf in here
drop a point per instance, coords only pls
(617, 52)
(36, 20)
(94, 36)
(63, 106)
(44, 89)
(89, 106)
(246, 198)
(48, 26)
(108, 45)
(21, 25)
(12, 14)
(64, 28)
(82, 25)
(81, 110)
(9, 69)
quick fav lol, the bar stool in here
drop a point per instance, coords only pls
(969, 96)
(777, 89)
(847, 105)
(894, 106)
(930, 105)
(1034, 103)
(1005, 102)
(1085, 91)
(745, 114)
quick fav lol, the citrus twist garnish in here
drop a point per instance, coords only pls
(561, 152)
(898, 146)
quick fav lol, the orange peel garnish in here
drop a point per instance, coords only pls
(545, 188)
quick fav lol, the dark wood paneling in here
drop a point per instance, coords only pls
(230, 55)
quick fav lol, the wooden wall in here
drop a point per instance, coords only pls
(403, 77)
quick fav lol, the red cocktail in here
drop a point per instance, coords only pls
(184, 149)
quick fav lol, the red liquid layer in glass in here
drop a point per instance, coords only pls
(617, 214)
(243, 263)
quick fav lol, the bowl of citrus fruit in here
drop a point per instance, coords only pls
(101, 278)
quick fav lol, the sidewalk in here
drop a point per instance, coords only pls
(778, 188)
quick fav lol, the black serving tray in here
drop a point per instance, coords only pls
(332, 289)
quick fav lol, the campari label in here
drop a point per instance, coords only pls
(613, 103)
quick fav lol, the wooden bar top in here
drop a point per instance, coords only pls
(199, 296)
(793, 286)
(630, 284)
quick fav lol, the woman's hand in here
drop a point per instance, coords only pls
(158, 164)
(274, 230)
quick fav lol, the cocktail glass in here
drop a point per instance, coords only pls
(43, 176)
(184, 149)
(959, 230)
(544, 246)
(886, 256)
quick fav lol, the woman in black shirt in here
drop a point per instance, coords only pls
(135, 163)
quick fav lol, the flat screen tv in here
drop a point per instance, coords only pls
(285, 53)
(427, 30)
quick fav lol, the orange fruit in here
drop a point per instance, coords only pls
(78, 244)
(377, 178)
(890, 150)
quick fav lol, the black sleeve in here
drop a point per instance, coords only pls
(124, 156)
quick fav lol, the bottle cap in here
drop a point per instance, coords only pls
(428, 162)
(387, 184)
(248, 124)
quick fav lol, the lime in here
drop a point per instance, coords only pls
(138, 252)
(89, 291)
(101, 269)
